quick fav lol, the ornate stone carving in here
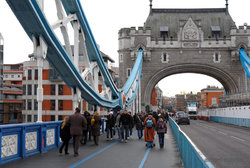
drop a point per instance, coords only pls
(190, 44)
(30, 141)
(9, 145)
(190, 31)
(50, 136)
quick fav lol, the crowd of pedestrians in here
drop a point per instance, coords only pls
(82, 127)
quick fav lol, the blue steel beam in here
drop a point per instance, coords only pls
(35, 24)
(131, 79)
(245, 61)
(130, 101)
(74, 6)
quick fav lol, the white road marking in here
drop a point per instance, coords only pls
(242, 140)
(222, 133)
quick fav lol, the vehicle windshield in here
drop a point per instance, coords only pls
(180, 114)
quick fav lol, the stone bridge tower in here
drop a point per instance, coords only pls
(204, 41)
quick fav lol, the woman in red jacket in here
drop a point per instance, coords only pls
(149, 123)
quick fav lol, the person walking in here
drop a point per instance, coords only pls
(87, 129)
(139, 125)
(76, 122)
(118, 125)
(65, 135)
(110, 123)
(131, 124)
(149, 131)
(96, 123)
(124, 123)
(161, 128)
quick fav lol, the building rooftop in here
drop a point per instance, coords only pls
(204, 18)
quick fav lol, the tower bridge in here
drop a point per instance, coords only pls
(204, 41)
(172, 41)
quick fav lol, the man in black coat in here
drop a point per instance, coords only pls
(124, 122)
(110, 123)
(76, 122)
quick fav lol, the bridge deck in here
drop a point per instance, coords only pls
(109, 154)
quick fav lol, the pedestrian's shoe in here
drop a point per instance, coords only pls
(66, 153)
(76, 154)
(60, 150)
(126, 141)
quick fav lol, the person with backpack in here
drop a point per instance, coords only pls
(161, 128)
(149, 123)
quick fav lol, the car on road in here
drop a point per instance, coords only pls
(181, 117)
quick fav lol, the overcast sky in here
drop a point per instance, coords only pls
(106, 18)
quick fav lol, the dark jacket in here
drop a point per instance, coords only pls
(97, 126)
(65, 133)
(131, 122)
(125, 119)
(77, 122)
(110, 121)
(88, 118)
(138, 122)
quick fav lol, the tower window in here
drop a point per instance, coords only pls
(216, 32)
(164, 58)
(128, 72)
(121, 58)
(164, 32)
(217, 57)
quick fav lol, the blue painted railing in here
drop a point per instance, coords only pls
(18, 141)
(191, 156)
(242, 122)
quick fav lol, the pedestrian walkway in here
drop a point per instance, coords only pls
(109, 154)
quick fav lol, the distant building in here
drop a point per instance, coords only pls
(210, 96)
(182, 99)
(157, 98)
(57, 96)
(1, 78)
(180, 102)
(12, 93)
(169, 103)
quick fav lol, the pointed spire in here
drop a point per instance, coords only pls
(150, 5)
(227, 6)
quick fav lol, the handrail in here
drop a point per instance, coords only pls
(191, 156)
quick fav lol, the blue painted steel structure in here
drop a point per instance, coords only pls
(38, 139)
(21, 130)
(35, 24)
(190, 154)
(245, 61)
(243, 122)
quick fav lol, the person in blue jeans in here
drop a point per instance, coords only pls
(124, 123)
(138, 124)
(117, 125)
(110, 123)
(161, 128)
